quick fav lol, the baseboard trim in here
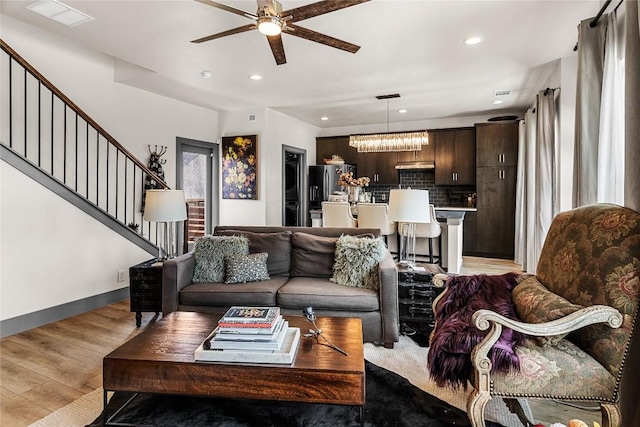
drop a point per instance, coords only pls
(53, 314)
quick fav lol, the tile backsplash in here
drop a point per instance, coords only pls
(441, 195)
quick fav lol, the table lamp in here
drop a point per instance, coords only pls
(166, 206)
(410, 207)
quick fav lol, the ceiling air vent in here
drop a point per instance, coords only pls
(252, 117)
(502, 93)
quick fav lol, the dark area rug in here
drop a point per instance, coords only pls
(390, 401)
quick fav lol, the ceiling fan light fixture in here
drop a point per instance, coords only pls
(269, 25)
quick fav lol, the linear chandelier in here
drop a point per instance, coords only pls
(380, 142)
(389, 141)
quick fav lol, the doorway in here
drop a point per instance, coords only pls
(294, 203)
(197, 174)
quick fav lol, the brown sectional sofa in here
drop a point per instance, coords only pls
(300, 264)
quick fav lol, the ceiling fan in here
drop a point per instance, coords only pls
(271, 21)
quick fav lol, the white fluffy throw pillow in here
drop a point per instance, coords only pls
(356, 261)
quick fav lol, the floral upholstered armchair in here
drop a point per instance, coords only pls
(569, 327)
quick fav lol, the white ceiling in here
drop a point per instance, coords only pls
(413, 48)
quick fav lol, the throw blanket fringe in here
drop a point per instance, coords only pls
(454, 337)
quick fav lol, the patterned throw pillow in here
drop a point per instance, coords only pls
(356, 261)
(536, 304)
(246, 268)
(209, 253)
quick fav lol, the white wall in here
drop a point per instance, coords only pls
(52, 252)
(274, 130)
(56, 256)
(284, 130)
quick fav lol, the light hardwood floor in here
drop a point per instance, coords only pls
(46, 368)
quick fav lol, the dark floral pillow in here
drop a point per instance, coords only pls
(246, 268)
(536, 304)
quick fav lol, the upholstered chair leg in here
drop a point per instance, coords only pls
(475, 407)
(611, 416)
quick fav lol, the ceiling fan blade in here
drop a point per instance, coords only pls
(318, 8)
(314, 36)
(242, 29)
(227, 8)
(277, 48)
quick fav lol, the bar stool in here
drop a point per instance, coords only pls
(429, 231)
(376, 215)
(337, 214)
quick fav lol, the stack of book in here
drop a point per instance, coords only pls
(250, 335)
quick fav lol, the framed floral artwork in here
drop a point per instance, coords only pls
(239, 167)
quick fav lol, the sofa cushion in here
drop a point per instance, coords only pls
(209, 254)
(246, 268)
(356, 261)
(534, 303)
(277, 245)
(312, 255)
(262, 293)
(322, 294)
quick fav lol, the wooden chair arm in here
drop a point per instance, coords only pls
(574, 321)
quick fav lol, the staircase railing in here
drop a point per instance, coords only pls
(43, 126)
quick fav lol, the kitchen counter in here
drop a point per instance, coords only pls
(453, 208)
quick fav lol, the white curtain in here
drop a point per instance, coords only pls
(590, 69)
(611, 158)
(546, 167)
(537, 187)
(520, 251)
(599, 163)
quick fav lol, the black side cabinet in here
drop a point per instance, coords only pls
(145, 288)
(415, 298)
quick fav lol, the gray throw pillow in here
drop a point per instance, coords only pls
(246, 268)
(356, 261)
(277, 245)
(210, 252)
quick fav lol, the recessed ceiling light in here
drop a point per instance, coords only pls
(498, 101)
(255, 77)
(402, 111)
(473, 40)
(59, 12)
(325, 118)
(206, 74)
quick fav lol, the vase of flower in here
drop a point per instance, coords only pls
(354, 193)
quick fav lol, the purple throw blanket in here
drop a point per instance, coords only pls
(454, 337)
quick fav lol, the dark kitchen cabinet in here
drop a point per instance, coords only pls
(379, 167)
(427, 153)
(496, 204)
(497, 159)
(496, 144)
(327, 146)
(455, 155)
(470, 233)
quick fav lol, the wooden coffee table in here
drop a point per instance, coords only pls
(161, 360)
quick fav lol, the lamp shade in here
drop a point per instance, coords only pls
(409, 206)
(165, 206)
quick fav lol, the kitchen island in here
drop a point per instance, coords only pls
(450, 252)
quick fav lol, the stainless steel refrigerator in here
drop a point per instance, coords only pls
(323, 182)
